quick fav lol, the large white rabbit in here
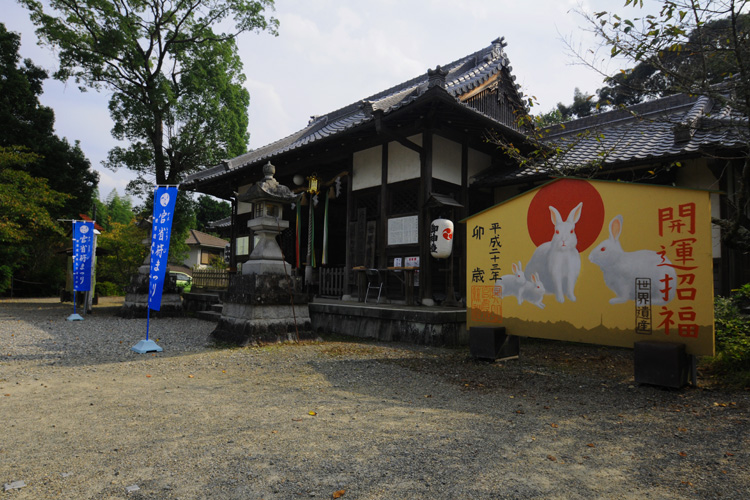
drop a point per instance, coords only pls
(509, 285)
(557, 262)
(621, 268)
(533, 291)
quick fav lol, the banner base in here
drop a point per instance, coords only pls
(75, 317)
(145, 346)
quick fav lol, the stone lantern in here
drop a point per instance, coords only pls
(265, 303)
(268, 198)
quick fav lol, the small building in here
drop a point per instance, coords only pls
(203, 248)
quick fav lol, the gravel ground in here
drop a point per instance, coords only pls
(85, 417)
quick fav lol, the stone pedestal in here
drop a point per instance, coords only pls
(136, 297)
(262, 309)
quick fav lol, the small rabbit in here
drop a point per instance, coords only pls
(558, 262)
(509, 285)
(621, 269)
(533, 291)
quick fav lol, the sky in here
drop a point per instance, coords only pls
(331, 53)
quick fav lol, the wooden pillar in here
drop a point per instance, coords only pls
(383, 218)
(460, 245)
(349, 209)
(233, 236)
(425, 188)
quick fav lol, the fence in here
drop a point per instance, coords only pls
(331, 282)
(211, 278)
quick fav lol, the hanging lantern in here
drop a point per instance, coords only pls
(312, 184)
(441, 238)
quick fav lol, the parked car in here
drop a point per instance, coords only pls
(184, 281)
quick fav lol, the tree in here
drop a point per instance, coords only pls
(700, 48)
(124, 252)
(209, 209)
(29, 234)
(27, 123)
(176, 85)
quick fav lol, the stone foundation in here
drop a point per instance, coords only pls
(258, 309)
(136, 299)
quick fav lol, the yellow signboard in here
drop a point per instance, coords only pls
(594, 261)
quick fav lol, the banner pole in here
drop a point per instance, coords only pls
(148, 319)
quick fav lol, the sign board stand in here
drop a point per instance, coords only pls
(75, 316)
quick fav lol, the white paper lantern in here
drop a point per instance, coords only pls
(441, 238)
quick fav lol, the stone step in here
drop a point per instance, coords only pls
(217, 307)
(209, 316)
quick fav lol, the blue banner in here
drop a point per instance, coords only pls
(164, 200)
(83, 249)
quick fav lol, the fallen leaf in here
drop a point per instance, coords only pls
(190, 376)
(683, 454)
(311, 413)
(682, 429)
(148, 376)
(550, 457)
(338, 494)
(553, 425)
(591, 445)
(727, 453)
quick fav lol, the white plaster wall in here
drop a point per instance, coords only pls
(478, 162)
(696, 174)
(403, 163)
(446, 160)
(193, 258)
(367, 168)
(243, 207)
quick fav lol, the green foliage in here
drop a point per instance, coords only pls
(29, 235)
(217, 262)
(109, 289)
(124, 252)
(732, 320)
(25, 122)
(209, 209)
(177, 93)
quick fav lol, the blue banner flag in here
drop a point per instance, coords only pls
(164, 201)
(83, 249)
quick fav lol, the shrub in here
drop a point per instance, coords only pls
(108, 289)
(732, 321)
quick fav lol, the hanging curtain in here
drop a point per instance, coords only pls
(312, 234)
(325, 232)
(298, 232)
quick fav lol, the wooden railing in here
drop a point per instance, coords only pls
(211, 278)
(331, 282)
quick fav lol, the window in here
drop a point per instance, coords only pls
(403, 230)
(242, 245)
(207, 255)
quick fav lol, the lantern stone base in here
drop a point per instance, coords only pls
(136, 299)
(261, 309)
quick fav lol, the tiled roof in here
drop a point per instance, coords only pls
(669, 128)
(221, 223)
(205, 240)
(456, 78)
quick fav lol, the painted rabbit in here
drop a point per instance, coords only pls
(621, 269)
(557, 262)
(533, 291)
(509, 285)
